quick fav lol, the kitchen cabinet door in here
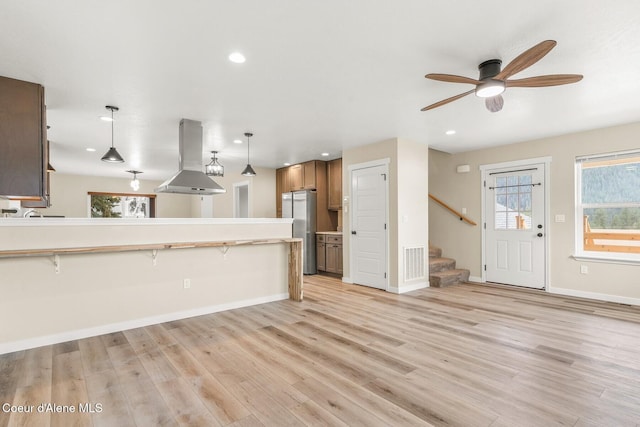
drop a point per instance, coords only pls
(331, 260)
(309, 175)
(295, 177)
(23, 162)
(280, 188)
(334, 176)
(320, 256)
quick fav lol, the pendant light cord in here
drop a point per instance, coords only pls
(112, 128)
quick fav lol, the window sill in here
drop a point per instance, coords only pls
(605, 259)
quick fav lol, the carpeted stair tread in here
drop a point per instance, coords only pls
(441, 264)
(448, 277)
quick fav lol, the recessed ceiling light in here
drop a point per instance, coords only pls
(324, 154)
(106, 119)
(450, 132)
(91, 150)
(287, 164)
(237, 141)
(237, 58)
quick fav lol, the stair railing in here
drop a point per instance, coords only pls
(453, 211)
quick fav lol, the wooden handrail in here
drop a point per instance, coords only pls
(453, 211)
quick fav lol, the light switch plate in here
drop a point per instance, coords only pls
(560, 218)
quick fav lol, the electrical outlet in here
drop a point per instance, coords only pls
(584, 269)
(186, 283)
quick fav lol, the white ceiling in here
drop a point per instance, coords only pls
(320, 75)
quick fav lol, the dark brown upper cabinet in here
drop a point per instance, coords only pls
(23, 141)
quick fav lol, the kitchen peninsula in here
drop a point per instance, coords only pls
(64, 279)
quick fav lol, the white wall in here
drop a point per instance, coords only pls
(462, 242)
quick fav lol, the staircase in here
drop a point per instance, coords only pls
(442, 271)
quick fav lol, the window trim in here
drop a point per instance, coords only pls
(580, 254)
(152, 200)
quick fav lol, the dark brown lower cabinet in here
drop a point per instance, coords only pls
(329, 253)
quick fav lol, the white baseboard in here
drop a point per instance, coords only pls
(595, 295)
(476, 279)
(408, 288)
(10, 347)
(347, 280)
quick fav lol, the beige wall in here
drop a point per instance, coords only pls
(96, 293)
(262, 190)
(413, 202)
(408, 209)
(462, 242)
(69, 195)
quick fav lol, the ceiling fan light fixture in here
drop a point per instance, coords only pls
(490, 88)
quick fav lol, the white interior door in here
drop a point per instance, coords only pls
(515, 226)
(369, 226)
(241, 199)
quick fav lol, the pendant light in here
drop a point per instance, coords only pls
(214, 168)
(135, 182)
(112, 155)
(248, 171)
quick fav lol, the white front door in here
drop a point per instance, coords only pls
(515, 229)
(369, 226)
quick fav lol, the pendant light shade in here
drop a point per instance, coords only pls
(112, 155)
(135, 182)
(214, 168)
(248, 171)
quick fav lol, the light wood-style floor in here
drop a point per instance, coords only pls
(468, 355)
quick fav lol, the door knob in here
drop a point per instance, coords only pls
(353, 232)
(540, 234)
(539, 225)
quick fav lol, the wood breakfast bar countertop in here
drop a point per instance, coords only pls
(67, 278)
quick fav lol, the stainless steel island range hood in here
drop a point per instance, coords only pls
(190, 179)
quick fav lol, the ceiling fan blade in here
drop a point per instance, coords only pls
(526, 59)
(494, 103)
(452, 78)
(446, 101)
(541, 81)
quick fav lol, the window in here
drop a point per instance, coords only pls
(122, 205)
(608, 206)
(513, 202)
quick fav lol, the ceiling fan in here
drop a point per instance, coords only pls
(493, 81)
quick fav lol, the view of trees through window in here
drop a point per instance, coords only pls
(122, 206)
(609, 205)
(611, 194)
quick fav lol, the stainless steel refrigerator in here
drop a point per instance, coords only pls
(301, 206)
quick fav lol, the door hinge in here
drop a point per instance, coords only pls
(384, 176)
(385, 225)
(385, 275)
(485, 267)
(484, 183)
(485, 225)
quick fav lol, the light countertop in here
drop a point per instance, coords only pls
(332, 233)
